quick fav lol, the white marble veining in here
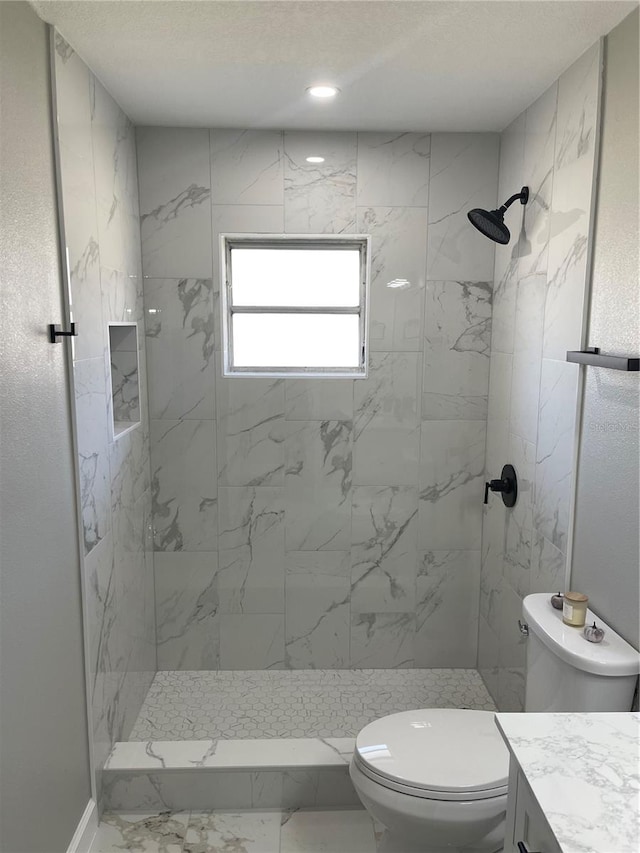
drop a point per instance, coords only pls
(587, 788)
(319, 197)
(347, 461)
(539, 293)
(290, 830)
(180, 340)
(464, 173)
(247, 167)
(305, 703)
(398, 253)
(99, 203)
(175, 201)
(393, 169)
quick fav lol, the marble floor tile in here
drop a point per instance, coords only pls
(227, 832)
(141, 833)
(328, 832)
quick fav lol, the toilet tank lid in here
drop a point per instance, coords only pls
(613, 656)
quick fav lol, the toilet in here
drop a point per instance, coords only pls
(436, 778)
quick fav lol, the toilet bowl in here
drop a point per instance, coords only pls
(436, 779)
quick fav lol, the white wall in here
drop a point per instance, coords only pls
(606, 563)
(44, 751)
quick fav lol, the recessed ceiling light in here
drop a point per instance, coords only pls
(323, 91)
(315, 159)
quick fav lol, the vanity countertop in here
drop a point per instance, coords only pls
(584, 771)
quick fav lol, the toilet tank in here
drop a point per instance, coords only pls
(565, 672)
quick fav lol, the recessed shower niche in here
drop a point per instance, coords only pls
(124, 373)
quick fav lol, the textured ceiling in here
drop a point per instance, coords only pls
(401, 64)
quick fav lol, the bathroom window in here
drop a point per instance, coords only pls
(294, 305)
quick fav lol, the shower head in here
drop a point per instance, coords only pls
(491, 222)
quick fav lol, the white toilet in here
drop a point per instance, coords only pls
(437, 778)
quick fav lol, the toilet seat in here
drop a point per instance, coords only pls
(435, 753)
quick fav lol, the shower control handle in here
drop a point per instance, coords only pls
(507, 486)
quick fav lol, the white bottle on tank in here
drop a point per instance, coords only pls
(565, 672)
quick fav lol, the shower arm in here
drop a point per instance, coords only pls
(523, 196)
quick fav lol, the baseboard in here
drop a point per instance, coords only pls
(85, 831)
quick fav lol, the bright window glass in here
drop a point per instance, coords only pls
(296, 340)
(295, 305)
(303, 277)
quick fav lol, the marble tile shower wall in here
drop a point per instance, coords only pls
(540, 294)
(319, 523)
(99, 198)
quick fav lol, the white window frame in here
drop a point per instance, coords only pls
(295, 241)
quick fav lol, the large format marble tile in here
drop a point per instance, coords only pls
(73, 102)
(384, 551)
(539, 148)
(318, 458)
(548, 566)
(114, 150)
(518, 530)
(324, 832)
(180, 337)
(464, 172)
(318, 399)
(393, 169)
(398, 254)
(122, 299)
(317, 609)
(93, 449)
(82, 255)
(162, 832)
(527, 356)
(247, 167)
(382, 640)
(499, 409)
(578, 96)
(555, 451)
(245, 832)
(186, 596)
(319, 198)
(175, 201)
(185, 500)
(565, 307)
(252, 641)
(457, 344)
(386, 420)
(506, 269)
(451, 484)
(447, 596)
(572, 201)
(251, 549)
(251, 431)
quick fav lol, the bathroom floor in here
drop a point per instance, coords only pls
(301, 831)
(296, 703)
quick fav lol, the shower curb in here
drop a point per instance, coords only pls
(285, 773)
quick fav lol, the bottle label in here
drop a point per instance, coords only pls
(567, 610)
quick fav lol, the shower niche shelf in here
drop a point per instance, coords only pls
(593, 357)
(124, 377)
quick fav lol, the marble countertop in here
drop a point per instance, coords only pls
(584, 771)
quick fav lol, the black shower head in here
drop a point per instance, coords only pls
(491, 222)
